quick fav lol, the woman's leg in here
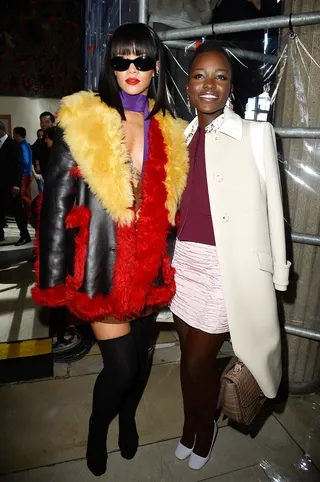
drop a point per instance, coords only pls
(108, 331)
(114, 382)
(128, 435)
(188, 395)
(200, 352)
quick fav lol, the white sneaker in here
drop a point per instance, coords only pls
(196, 462)
(182, 452)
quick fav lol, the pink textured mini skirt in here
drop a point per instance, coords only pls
(199, 299)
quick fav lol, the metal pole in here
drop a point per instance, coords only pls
(241, 53)
(309, 239)
(298, 132)
(303, 332)
(302, 238)
(143, 11)
(281, 21)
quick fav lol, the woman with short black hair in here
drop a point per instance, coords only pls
(230, 253)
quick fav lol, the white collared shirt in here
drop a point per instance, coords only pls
(215, 125)
(3, 140)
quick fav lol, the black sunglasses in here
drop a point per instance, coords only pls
(143, 63)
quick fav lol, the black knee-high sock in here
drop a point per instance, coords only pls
(128, 435)
(112, 386)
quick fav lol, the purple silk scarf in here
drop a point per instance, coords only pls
(138, 103)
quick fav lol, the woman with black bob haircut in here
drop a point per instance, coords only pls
(230, 253)
(116, 175)
(143, 41)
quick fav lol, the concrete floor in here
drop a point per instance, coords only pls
(44, 428)
(44, 423)
(18, 313)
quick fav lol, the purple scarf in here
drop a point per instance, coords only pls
(138, 103)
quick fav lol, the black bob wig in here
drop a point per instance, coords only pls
(138, 39)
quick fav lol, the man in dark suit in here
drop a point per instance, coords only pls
(10, 185)
(42, 152)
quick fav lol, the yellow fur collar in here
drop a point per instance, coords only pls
(95, 135)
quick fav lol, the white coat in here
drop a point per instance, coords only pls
(247, 215)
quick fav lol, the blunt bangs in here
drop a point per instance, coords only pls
(134, 39)
(137, 39)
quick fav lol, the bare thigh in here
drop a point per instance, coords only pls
(108, 330)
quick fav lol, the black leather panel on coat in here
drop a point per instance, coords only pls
(101, 255)
(58, 200)
(171, 242)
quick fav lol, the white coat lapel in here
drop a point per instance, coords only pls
(211, 144)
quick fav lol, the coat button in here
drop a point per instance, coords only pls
(225, 218)
(218, 177)
(216, 139)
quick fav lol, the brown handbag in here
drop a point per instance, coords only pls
(240, 396)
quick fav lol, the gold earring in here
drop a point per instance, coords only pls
(230, 103)
(188, 103)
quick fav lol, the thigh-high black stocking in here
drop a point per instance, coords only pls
(128, 435)
(113, 384)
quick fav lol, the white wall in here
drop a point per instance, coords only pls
(25, 112)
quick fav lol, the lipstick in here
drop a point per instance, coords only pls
(132, 81)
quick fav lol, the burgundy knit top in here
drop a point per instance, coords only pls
(195, 216)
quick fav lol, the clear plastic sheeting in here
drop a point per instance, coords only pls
(305, 168)
(96, 28)
(258, 71)
(102, 18)
(296, 105)
(301, 420)
(274, 473)
(266, 79)
(257, 68)
(122, 11)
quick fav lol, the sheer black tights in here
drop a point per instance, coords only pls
(200, 384)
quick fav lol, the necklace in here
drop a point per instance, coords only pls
(136, 181)
(135, 174)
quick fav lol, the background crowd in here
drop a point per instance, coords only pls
(20, 164)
